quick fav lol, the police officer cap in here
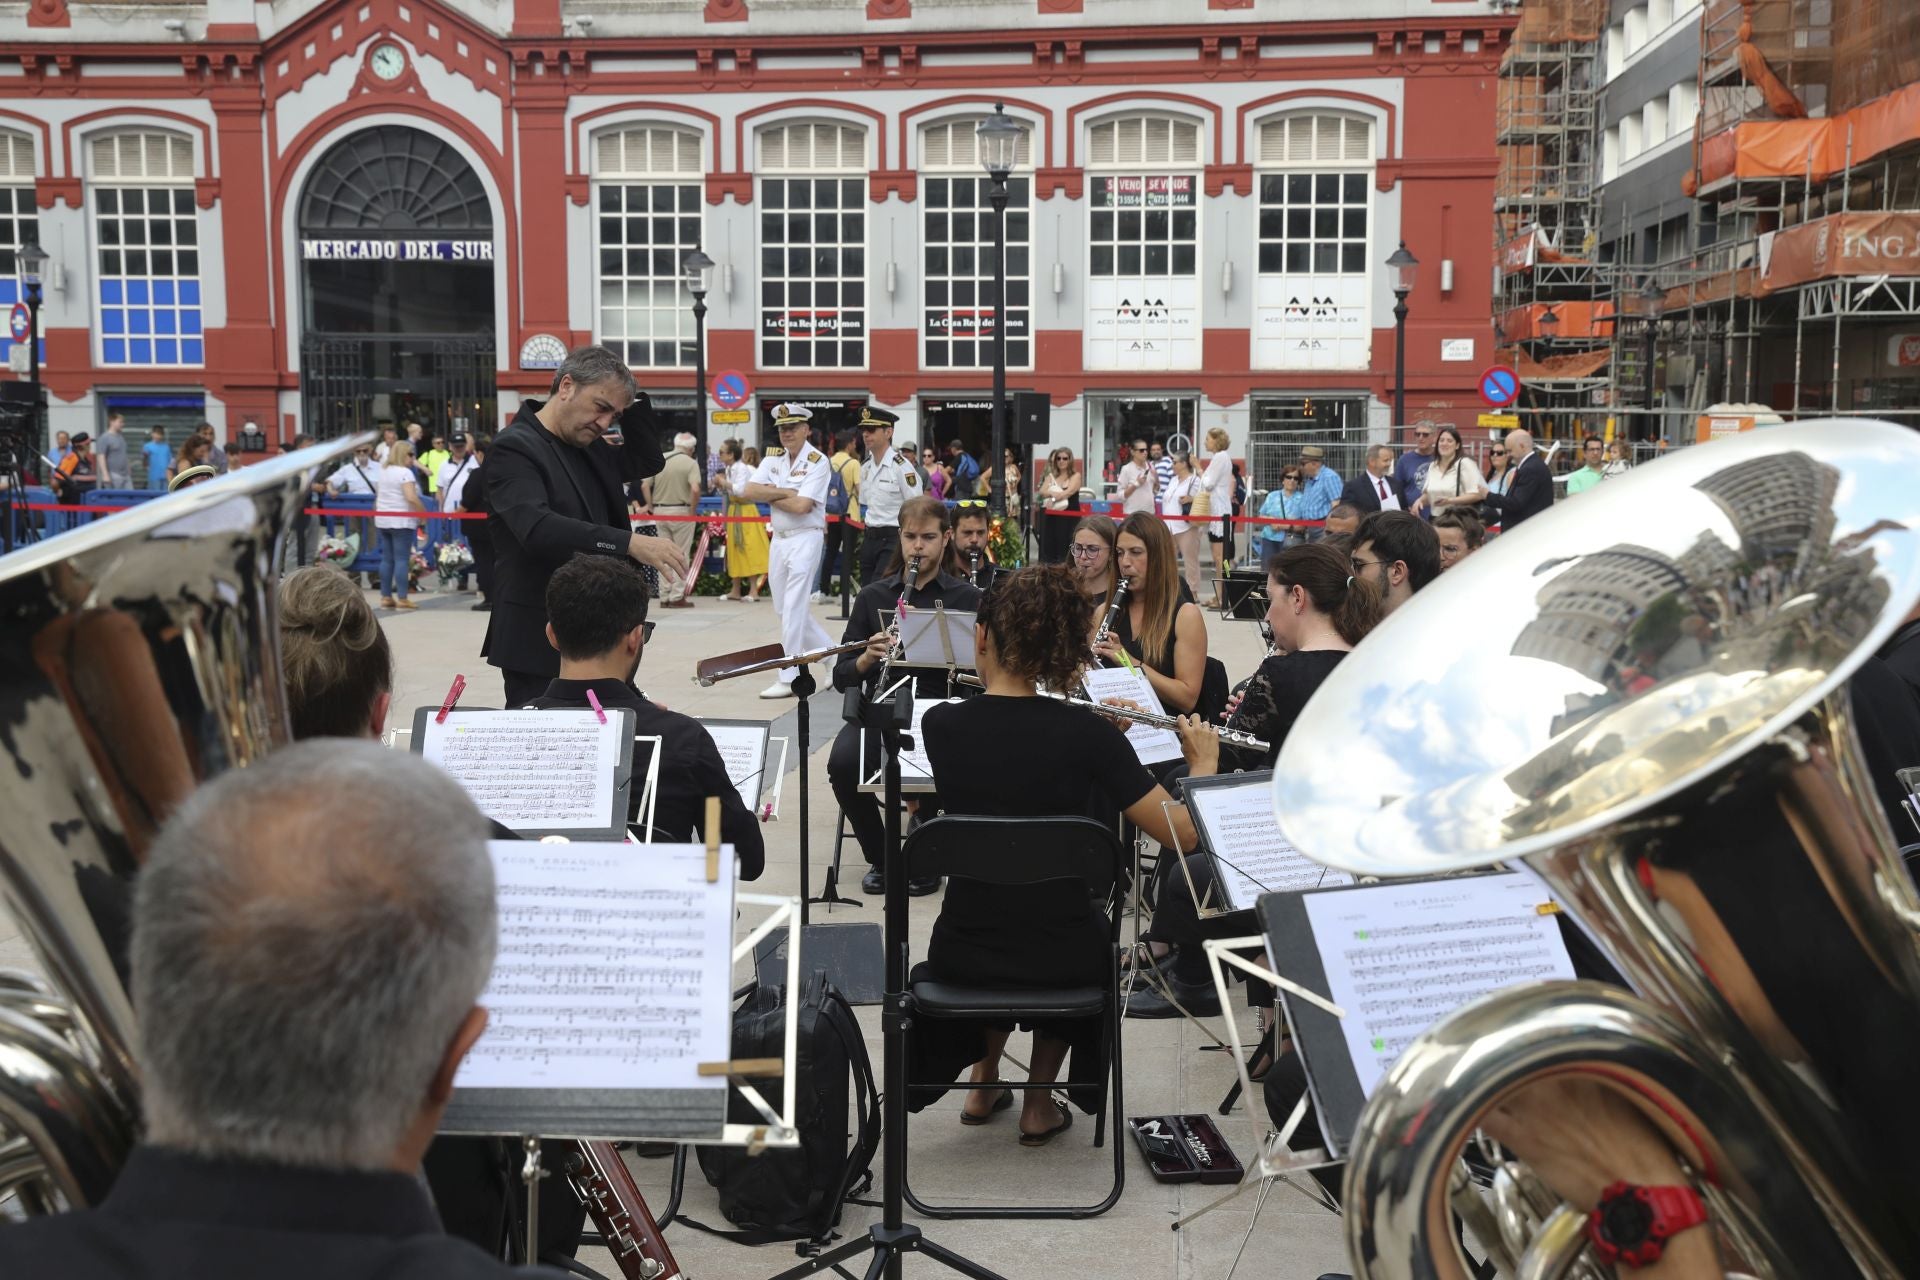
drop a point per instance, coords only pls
(785, 415)
(873, 419)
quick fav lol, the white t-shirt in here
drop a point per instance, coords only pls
(1177, 488)
(738, 475)
(809, 474)
(1140, 499)
(453, 477)
(392, 496)
(355, 478)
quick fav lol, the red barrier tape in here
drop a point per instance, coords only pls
(357, 513)
(1266, 520)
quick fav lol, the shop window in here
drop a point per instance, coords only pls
(813, 247)
(1143, 244)
(1315, 254)
(19, 219)
(957, 231)
(647, 221)
(147, 237)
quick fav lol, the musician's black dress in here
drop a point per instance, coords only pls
(1028, 757)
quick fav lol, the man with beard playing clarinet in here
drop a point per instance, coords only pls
(925, 538)
(970, 525)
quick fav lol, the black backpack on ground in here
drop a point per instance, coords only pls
(798, 1193)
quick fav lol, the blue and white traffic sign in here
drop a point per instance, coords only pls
(20, 322)
(731, 389)
(1499, 386)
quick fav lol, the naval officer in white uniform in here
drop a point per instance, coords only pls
(794, 484)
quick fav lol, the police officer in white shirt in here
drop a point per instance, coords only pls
(887, 479)
(794, 484)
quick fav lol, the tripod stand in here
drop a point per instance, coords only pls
(891, 1238)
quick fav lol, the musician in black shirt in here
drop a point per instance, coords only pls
(924, 533)
(597, 619)
(1032, 631)
(971, 524)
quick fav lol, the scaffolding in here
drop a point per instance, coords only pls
(1552, 298)
(1799, 286)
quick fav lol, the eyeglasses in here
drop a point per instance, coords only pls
(1139, 448)
(1358, 565)
(1085, 553)
(1499, 453)
(1422, 435)
(646, 632)
(1291, 475)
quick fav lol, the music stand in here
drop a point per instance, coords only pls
(649, 789)
(744, 746)
(432, 737)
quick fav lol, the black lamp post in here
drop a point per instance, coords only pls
(33, 260)
(695, 267)
(999, 147)
(1549, 325)
(1652, 301)
(1401, 268)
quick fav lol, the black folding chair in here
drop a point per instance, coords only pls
(1025, 851)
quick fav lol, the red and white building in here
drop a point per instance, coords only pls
(317, 215)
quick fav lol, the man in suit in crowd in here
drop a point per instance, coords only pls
(1373, 489)
(1531, 489)
(556, 486)
(305, 998)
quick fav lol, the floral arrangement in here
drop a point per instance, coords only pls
(416, 569)
(338, 551)
(1005, 547)
(453, 560)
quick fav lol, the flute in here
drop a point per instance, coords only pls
(1233, 737)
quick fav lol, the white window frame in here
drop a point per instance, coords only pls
(639, 166)
(18, 168)
(180, 173)
(964, 163)
(780, 166)
(1346, 155)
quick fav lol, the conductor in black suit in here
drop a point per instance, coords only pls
(1530, 491)
(558, 486)
(1373, 489)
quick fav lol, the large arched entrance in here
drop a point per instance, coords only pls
(397, 286)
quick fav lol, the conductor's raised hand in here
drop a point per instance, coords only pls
(661, 553)
(1200, 745)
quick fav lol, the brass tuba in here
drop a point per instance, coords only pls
(139, 656)
(1651, 696)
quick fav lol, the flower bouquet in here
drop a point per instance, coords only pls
(416, 569)
(453, 560)
(338, 551)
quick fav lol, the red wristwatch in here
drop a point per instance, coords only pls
(1633, 1224)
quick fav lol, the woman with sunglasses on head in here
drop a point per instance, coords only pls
(1047, 934)
(1059, 491)
(1453, 480)
(1158, 630)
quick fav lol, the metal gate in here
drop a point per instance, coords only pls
(339, 378)
(335, 393)
(463, 377)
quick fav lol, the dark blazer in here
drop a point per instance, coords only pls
(541, 517)
(690, 770)
(1530, 492)
(172, 1214)
(1360, 491)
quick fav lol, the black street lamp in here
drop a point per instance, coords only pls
(1651, 302)
(1549, 324)
(695, 267)
(999, 148)
(1401, 269)
(33, 260)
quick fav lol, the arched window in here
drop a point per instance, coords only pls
(1143, 243)
(957, 230)
(19, 218)
(1316, 255)
(647, 181)
(147, 237)
(813, 245)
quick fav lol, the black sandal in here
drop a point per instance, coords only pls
(1045, 1136)
(1000, 1104)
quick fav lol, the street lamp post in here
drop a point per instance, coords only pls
(33, 260)
(1401, 267)
(1653, 300)
(999, 147)
(695, 267)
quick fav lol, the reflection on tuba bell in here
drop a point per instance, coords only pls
(139, 658)
(1654, 715)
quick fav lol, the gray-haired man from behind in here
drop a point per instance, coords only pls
(673, 494)
(306, 977)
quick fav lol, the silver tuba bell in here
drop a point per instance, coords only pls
(139, 656)
(1647, 699)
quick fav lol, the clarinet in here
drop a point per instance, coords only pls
(908, 578)
(1113, 608)
(604, 1184)
(973, 567)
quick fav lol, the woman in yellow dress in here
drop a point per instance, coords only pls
(746, 540)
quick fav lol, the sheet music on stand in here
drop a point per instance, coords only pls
(743, 749)
(538, 773)
(611, 987)
(916, 771)
(936, 638)
(1398, 957)
(1233, 813)
(1150, 745)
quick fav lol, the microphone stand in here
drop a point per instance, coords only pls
(891, 1238)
